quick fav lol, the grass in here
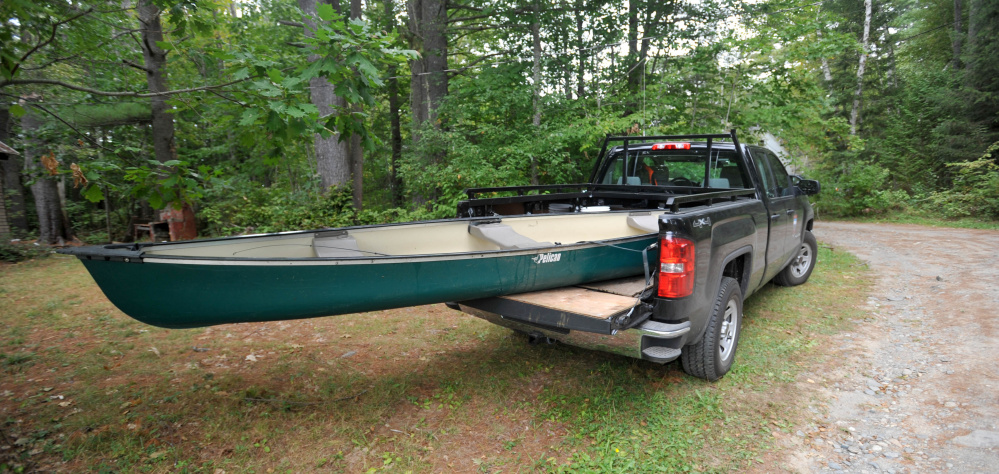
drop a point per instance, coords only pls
(414, 389)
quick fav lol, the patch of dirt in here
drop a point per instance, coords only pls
(914, 387)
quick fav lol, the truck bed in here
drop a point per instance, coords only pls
(600, 307)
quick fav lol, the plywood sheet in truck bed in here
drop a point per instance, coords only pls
(599, 301)
(630, 286)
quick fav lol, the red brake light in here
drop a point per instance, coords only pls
(676, 267)
(671, 146)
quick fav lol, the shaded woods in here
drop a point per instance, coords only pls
(284, 114)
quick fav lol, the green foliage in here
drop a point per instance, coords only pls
(171, 183)
(13, 252)
(976, 188)
(925, 116)
(244, 207)
(864, 188)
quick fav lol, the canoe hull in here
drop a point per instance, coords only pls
(178, 293)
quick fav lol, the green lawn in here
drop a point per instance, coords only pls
(415, 389)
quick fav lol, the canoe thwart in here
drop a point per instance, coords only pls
(335, 244)
(504, 237)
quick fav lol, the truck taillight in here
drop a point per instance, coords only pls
(671, 146)
(676, 267)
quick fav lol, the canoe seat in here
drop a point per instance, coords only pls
(504, 237)
(335, 246)
(644, 223)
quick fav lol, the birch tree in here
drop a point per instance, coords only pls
(861, 64)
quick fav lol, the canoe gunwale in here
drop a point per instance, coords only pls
(128, 255)
(136, 252)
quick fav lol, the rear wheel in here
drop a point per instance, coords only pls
(712, 357)
(800, 268)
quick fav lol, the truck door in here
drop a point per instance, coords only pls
(791, 204)
(779, 220)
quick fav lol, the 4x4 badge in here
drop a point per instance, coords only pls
(704, 221)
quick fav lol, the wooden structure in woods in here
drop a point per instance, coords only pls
(4, 222)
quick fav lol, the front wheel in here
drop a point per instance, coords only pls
(712, 357)
(800, 268)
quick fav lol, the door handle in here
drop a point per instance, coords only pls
(774, 217)
(790, 211)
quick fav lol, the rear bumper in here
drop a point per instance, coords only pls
(651, 340)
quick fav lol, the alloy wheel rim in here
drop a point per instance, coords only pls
(802, 262)
(729, 330)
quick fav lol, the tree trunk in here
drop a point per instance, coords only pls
(435, 50)
(356, 150)
(855, 113)
(955, 41)
(395, 187)
(974, 8)
(536, 37)
(155, 61)
(632, 45)
(580, 70)
(13, 197)
(418, 67)
(826, 72)
(428, 21)
(52, 226)
(357, 169)
(332, 155)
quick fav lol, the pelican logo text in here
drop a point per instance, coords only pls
(547, 258)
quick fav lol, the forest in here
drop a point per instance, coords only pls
(273, 115)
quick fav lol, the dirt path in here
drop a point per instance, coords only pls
(915, 387)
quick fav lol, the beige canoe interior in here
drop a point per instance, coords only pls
(512, 233)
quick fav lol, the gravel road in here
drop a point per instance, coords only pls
(914, 386)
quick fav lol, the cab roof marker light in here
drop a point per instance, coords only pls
(671, 146)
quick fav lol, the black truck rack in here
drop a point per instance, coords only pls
(515, 200)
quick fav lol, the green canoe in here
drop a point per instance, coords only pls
(339, 271)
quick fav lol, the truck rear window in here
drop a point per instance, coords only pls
(676, 168)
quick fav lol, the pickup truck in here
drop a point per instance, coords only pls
(734, 220)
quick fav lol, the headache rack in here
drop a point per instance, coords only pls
(580, 197)
(563, 198)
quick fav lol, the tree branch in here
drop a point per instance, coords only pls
(230, 99)
(291, 23)
(55, 26)
(73, 56)
(137, 66)
(49, 82)
(477, 61)
(57, 117)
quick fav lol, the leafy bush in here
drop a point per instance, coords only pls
(251, 208)
(975, 191)
(13, 252)
(863, 189)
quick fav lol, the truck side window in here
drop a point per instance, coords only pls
(767, 181)
(615, 172)
(782, 180)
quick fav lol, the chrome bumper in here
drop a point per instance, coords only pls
(652, 340)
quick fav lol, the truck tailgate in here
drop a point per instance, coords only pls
(594, 307)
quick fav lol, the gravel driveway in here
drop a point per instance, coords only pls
(914, 387)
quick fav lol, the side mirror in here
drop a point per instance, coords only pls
(808, 187)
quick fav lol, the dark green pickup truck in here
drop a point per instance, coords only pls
(735, 221)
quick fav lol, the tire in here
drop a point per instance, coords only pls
(800, 267)
(712, 357)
